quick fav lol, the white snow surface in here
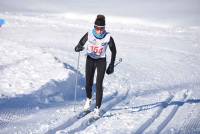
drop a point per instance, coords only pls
(155, 89)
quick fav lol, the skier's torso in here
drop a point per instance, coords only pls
(96, 48)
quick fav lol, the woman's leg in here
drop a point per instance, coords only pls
(89, 72)
(101, 68)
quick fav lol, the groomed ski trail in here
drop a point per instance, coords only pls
(172, 113)
(69, 122)
(150, 123)
(85, 121)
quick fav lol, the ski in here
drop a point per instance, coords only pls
(83, 113)
(94, 118)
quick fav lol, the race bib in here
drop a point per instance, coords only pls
(96, 48)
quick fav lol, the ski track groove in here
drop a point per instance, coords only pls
(145, 125)
(7, 117)
(168, 118)
(85, 123)
(74, 119)
(170, 115)
(191, 127)
(3, 123)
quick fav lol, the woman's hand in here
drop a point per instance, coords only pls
(110, 69)
(79, 48)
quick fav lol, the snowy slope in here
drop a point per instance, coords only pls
(154, 90)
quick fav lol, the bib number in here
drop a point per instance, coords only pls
(97, 50)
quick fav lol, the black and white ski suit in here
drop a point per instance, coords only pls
(95, 61)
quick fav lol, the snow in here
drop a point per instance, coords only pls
(24, 70)
(154, 90)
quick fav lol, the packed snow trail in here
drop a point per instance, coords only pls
(75, 118)
(89, 119)
(158, 114)
(157, 84)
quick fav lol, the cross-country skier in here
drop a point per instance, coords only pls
(97, 40)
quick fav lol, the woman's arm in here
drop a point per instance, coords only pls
(113, 50)
(81, 43)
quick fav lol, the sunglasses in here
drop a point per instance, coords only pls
(99, 28)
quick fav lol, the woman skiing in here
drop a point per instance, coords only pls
(96, 42)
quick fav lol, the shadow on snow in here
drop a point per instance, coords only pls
(53, 93)
(163, 104)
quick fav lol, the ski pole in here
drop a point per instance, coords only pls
(119, 61)
(76, 82)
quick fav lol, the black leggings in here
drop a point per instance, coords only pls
(91, 65)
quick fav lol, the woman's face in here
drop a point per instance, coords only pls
(99, 30)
